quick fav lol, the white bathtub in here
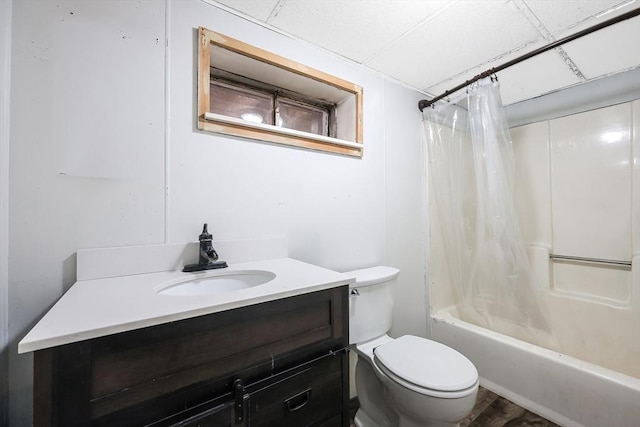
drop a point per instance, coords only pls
(563, 389)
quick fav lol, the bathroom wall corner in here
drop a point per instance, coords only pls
(5, 91)
(405, 216)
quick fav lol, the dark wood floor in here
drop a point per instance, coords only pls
(492, 410)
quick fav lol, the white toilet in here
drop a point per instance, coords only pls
(407, 381)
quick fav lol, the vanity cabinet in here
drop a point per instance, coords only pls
(278, 363)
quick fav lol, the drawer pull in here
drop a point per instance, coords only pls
(298, 401)
(240, 398)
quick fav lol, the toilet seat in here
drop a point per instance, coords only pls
(427, 367)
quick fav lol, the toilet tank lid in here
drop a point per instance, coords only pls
(427, 364)
(373, 275)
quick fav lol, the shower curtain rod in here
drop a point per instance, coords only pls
(424, 103)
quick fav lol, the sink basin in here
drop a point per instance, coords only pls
(218, 284)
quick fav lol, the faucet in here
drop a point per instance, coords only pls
(207, 253)
(208, 258)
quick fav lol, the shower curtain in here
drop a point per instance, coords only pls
(471, 168)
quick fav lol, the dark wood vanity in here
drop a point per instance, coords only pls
(279, 363)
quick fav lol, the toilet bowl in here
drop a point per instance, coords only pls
(408, 381)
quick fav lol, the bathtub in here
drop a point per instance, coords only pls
(563, 389)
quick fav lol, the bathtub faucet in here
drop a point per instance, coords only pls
(208, 258)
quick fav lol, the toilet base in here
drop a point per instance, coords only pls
(363, 420)
(374, 410)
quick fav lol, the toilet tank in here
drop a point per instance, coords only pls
(370, 302)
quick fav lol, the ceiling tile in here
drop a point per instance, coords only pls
(435, 45)
(536, 76)
(460, 78)
(259, 9)
(356, 29)
(608, 50)
(559, 15)
(521, 81)
(465, 35)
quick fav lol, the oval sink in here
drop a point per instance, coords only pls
(218, 284)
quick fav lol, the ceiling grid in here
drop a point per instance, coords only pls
(433, 45)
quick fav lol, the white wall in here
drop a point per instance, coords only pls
(86, 151)
(94, 163)
(5, 91)
(330, 207)
(406, 209)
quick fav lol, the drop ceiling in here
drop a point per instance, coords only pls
(434, 45)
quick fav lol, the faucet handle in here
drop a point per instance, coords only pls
(205, 234)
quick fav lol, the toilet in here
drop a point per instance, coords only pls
(407, 381)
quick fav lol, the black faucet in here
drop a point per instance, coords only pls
(208, 258)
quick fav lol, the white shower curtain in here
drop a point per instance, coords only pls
(471, 168)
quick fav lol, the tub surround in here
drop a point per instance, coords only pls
(588, 374)
(104, 302)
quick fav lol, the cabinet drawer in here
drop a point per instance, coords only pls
(219, 412)
(306, 397)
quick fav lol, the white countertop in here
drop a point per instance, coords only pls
(104, 306)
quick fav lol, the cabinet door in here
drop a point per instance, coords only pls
(307, 396)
